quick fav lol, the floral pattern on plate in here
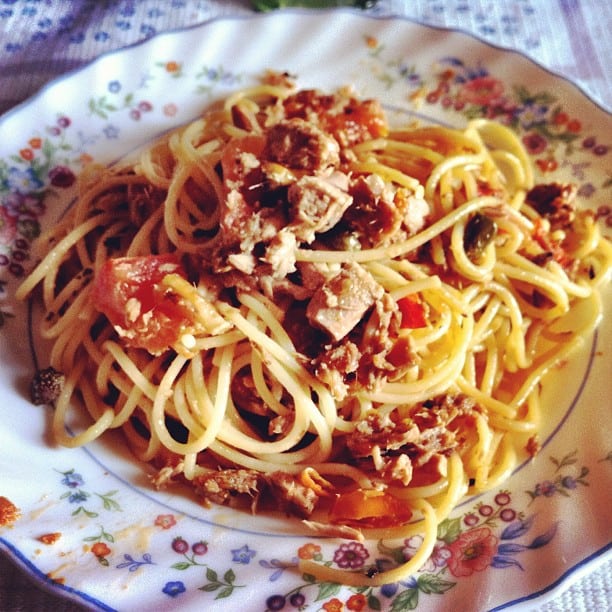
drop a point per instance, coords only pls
(91, 525)
(494, 533)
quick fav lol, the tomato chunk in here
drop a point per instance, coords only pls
(360, 121)
(129, 291)
(361, 508)
(413, 313)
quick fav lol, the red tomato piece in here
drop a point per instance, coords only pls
(360, 121)
(361, 508)
(129, 291)
(413, 313)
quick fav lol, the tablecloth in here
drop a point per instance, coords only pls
(43, 39)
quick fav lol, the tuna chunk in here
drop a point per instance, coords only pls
(293, 495)
(317, 204)
(299, 145)
(340, 303)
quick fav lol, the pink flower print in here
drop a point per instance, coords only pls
(351, 555)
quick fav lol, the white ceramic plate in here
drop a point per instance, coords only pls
(121, 545)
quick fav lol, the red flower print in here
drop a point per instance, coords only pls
(534, 143)
(309, 551)
(547, 164)
(165, 521)
(471, 552)
(26, 154)
(357, 602)
(482, 91)
(100, 549)
(333, 605)
(560, 118)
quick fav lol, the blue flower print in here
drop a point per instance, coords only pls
(77, 38)
(173, 588)
(278, 566)
(23, 180)
(114, 86)
(111, 131)
(147, 30)
(77, 497)
(72, 479)
(243, 555)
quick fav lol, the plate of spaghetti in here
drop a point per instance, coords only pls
(322, 327)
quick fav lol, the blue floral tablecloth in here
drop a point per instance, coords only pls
(43, 39)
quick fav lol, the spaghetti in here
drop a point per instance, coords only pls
(287, 299)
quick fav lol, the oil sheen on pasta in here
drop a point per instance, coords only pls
(289, 303)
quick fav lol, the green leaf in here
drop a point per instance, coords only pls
(226, 592)
(449, 530)
(181, 565)
(569, 459)
(47, 148)
(430, 583)
(406, 600)
(229, 576)
(211, 575)
(396, 553)
(327, 589)
(374, 602)
(210, 587)
(108, 503)
(476, 112)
